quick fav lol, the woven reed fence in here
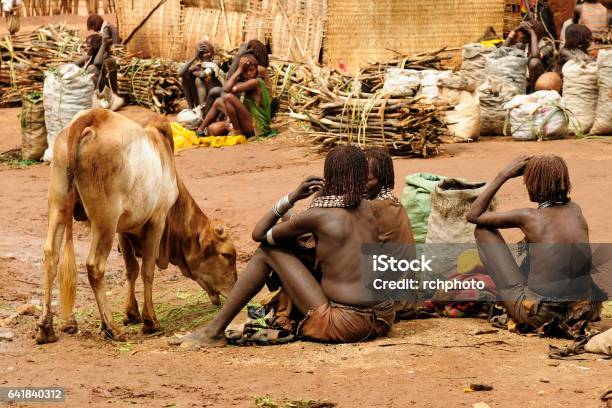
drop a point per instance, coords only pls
(362, 30)
(56, 7)
(210, 24)
(161, 36)
(294, 28)
(512, 15)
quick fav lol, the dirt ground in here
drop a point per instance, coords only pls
(425, 363)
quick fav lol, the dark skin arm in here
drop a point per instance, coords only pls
(233, 86)
(99, 59)
(479, 213)
(189, 63)
(296, 226)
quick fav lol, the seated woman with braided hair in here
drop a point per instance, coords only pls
(253, 116)
(337, 309)
(554, 287)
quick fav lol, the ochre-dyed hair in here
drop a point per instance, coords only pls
(381, 164)
(94, 22)
(346, 173)
(207, 45)
(547, 178)
(260, 51)
(578, 36)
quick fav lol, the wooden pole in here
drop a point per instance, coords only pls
(227, 32)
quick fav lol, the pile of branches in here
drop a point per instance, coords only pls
(342, 108)
(152, 83)
(26, 57)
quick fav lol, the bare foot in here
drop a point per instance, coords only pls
(202, 338)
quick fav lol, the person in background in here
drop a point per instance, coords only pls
(532, 37)
(11, 9)
(96, 24)
(199, 78)
(578, 39)
(595, 16)
(253, 116)
(98, 61)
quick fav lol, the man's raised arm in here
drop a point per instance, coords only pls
(478, 213)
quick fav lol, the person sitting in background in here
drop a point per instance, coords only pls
(595, 16)
(97, 24)
(577, 42)
(248, 118)
(200, 78)
(531, 36)
(257, 49)
(553, 289)
(99, 61)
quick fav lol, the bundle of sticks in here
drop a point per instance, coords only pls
(152, 83)
(26, 57)
(342, 108)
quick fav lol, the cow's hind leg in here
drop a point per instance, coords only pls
(101, 244)
(50, 259)
(151, 237)
(132, 315)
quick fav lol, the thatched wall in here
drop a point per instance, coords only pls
(161, 36)
(362, 30)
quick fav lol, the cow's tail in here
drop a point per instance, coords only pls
(67, 267)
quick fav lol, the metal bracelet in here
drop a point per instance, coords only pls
(269, 237)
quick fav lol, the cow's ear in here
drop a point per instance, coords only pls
(220, 231)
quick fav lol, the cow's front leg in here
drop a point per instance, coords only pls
(101, 244)
(55, 234)
(151, 237)
(132, 315)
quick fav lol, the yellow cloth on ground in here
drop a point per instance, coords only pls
(491, 43)
(185, 139)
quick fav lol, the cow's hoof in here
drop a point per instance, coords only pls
(112, 333)
(150, 326)
(70, 326)
(45, 334)
(132, 318)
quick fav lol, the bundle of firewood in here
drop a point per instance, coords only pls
(342, 108)
(26, 57)
(152, 83)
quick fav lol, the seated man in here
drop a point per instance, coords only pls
(248, 118)
(557, 287)
(99, 61)
(337, 309)
(200, 78)
(532, 36)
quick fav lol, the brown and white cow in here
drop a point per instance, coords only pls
(126, 180)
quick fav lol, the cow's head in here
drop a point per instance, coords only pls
(213, 263)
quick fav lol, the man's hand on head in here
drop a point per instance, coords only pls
(516, 167)
(308, 187)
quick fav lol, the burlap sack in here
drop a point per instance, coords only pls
(474, 62)
(510, 65)
(600, 344)
(463, 120)
(33, 131)
(603, 113)
(580, 94)
(537, 116)
(416, 201)
(493, 94)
